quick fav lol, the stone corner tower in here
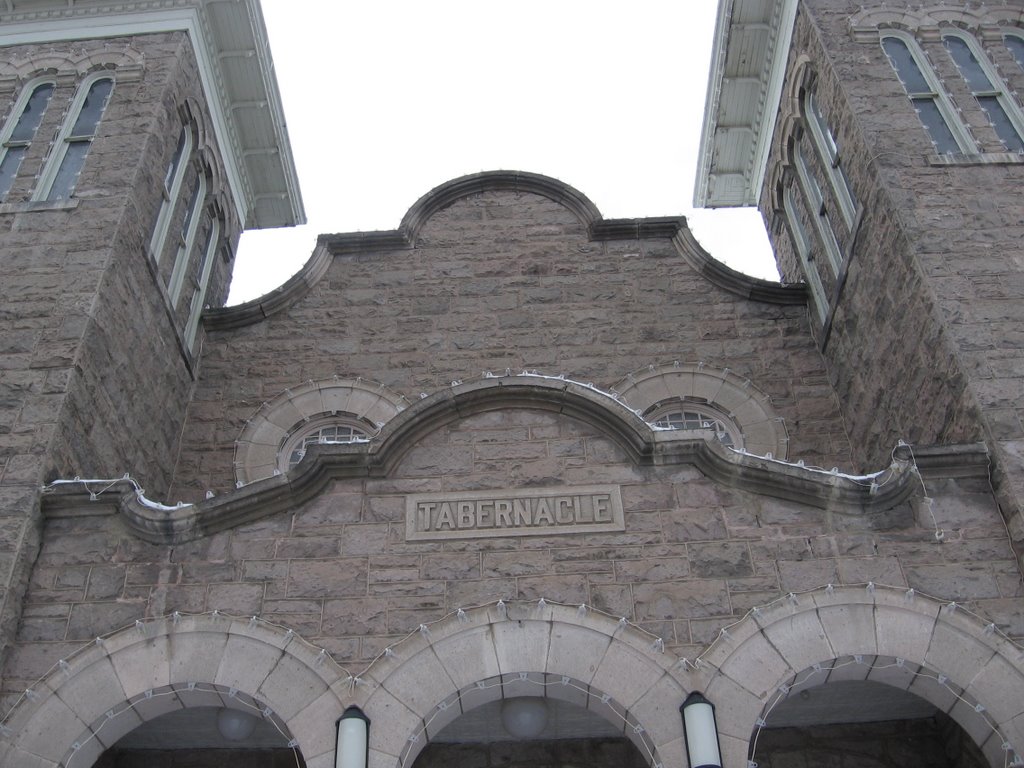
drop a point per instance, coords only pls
(138, 140)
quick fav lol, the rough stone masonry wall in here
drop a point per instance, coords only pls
(938, 268)
(91, 380)
(695, 556)
(889, 357)
(506, 280)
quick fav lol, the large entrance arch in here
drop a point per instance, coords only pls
(112, 686)
(970, 670)
(445, 670)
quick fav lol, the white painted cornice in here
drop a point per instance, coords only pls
(262, 178)
(748, 66)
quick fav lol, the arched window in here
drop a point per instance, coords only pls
(1014, 42)
(687, 414)
(328, 431)
(21, 130)
(816, 203)
(825, 144)
(206, 260)
(933, 107)
(187, 238)
(987, 88)
(171, 191)
(803, 251)
(60, 176)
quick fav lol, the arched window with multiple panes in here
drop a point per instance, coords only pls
(987, 87)
(187, 238)
(170, 192)
(816, 204)
(939, 118)
(71, 146)
(1014, 42)
(802, 246)
(827, 149)
(211, 246)
(21, 129)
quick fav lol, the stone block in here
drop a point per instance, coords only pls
(327, 578)
(576, 651)
(800, 639)
(245, 663)
(625, 674)
(521, 646)
(681, 600)
(290, 686)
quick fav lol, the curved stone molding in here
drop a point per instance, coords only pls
(432, 677)
(736, 283)
(126, 60)
(772, 646)
(258, 448)
(377, 457)
(764, 433)
(127, 673)
(926, 22)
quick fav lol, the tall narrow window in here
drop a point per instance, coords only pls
(72, 144)
(207, 259)
(932, 105)
(989, 91)
(1015, 44)
(816, 204)
(803, 252)
(20, 131)
(825, 144)
(171, 191)
(186, 239)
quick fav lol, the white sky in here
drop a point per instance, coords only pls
(386, 99)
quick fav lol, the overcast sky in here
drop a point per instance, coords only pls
(385, 100)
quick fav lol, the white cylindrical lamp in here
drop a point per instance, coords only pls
(353, 748)
(701, 732)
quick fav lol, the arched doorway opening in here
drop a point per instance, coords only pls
(870, 711)
(196, 724)
(533, 719)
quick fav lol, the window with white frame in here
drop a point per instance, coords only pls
(987, 88)
(933, 107)
(21, 128)
(170, 192)
(206, 260)
(690, 415)
(1014, 42)
(328, 431)
(824, 141)
(61, 172)
(816, 204)
(802, 245)
(186, 239)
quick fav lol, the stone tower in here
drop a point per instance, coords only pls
(883, 145)
(139, 140)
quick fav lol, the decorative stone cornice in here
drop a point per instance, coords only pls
(925, 23)
(642, 444)
(406, 236)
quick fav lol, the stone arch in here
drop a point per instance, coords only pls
(422, 682)
(128, 674)
(925, 21)
(744, 669)
(764, 433)
(257, 448)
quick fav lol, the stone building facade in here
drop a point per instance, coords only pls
(511, 452)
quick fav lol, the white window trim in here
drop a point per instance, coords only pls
(999, 88)
(803, 250)
(60, 143)
(937, 93)
(828, 151)
(181, 260)
(199, 297)
(298, 435)
(816, 205)
(15, 116)
(705, 410)
(170, 197)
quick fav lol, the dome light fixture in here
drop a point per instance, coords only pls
(525, 716)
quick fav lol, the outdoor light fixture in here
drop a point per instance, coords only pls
(701, 732)
(524, 716)
(353, 748)
(234, 724)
